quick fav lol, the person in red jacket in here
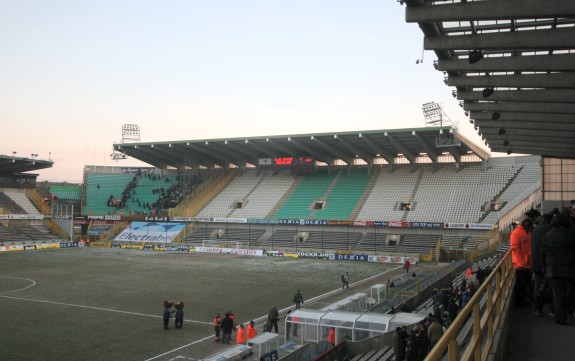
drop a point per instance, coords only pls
(251, 330)
(520, 242)
(331, 336)
(241, 335)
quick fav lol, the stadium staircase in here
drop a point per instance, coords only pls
(204, 193)
(376, 172)
(285, 197)
(413, 194)
(498, 195)
(245, 198)
(326, 194)
(7, 205)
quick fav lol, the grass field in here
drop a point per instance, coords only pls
(106, 304)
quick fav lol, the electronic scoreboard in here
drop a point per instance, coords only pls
(287, 162)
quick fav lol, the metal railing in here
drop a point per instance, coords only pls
(486, 309)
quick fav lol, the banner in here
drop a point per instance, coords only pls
(479, 226)
(316, 255)
(21, 216)
(426, 224)
(238, 251)
(157, 232)
(352, 257)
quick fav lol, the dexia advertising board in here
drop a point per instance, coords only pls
(159, 232)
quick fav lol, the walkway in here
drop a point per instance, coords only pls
(539, 338)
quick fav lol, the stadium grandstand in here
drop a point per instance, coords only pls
(426, 194)
(423, 191)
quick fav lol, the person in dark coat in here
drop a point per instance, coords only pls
(543, 225)
(559, 263)
(398, 345)
(273, 317)
(227, 327)
(413, 347)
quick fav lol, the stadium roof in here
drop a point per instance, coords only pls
(513, 64)
(10, 165)
(323, 147)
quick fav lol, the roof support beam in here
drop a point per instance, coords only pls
(556, 62)
(287, 150)
(333, 150)
(378, 149)
(563, 38)
(493, 132)
(430, 152)
(525, 117)
(525, 107)
(352, 148)
(547, 95)
(564, 80)
(532, 126)
(229, 153)
(403, 150)
(210, 155)
(490, 10)
(544, 151)
(318, 155)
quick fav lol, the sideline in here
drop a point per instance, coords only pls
(20, 289)
(181, 347)
(98, 308)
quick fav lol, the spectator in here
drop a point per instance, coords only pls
(331, 336)
(520, 241)
(543, 226)
(398, 345)
(559, 263)
(251, 330)
(217, 325)
(227, 327)
(241, 338)
(298, 299)
(273, 317)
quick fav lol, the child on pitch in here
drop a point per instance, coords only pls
(179, 314)
(167, 313)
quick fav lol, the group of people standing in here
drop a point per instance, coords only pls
(225, 326)
(415, 346)
(543, 256)
(178, 314)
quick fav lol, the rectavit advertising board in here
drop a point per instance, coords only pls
(158, 232)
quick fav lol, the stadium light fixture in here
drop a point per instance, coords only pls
(501, 131)
(487, 92)
(495, 115)
(475, 56)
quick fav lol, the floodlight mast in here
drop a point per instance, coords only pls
(130, 133)
(435, 117)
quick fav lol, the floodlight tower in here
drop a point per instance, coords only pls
(435, 117)
(130, 133)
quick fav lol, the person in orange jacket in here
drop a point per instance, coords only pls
(520, 242)
(251, 330)
(331, 336)
(217, 324)
(241, 335)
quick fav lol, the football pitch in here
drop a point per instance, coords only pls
(106, 304)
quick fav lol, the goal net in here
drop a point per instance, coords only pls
(221, 244)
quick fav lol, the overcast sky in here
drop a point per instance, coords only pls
(73, 72)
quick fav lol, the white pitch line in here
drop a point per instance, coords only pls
(98, 308)
(181, 347)
(20, 289)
